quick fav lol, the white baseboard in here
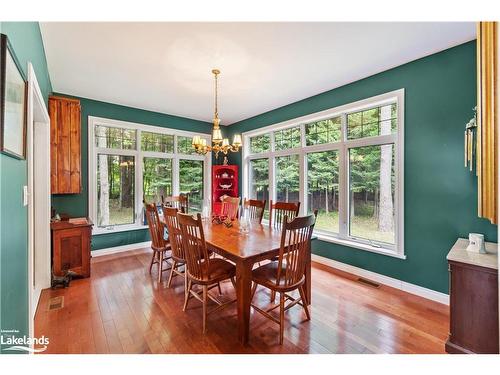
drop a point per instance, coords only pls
(385, 280)
(120, 249)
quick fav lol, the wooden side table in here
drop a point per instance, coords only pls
(71, 246)
(473, 300)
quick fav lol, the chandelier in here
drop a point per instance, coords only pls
(219, 144)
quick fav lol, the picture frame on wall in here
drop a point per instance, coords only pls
(13, 90)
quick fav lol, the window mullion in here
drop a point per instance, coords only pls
(303, 172)
(139, 167)
(272, 164)
(272, 184)
(303, 183)
(343, 181)
(175, 175)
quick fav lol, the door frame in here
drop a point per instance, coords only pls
(37, 115)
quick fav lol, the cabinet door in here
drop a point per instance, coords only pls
(474, 308)
(65, 145)
(75, 146)
(72, 251)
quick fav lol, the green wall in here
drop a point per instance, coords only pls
(440, 194)
(77, 204)
(27, 43)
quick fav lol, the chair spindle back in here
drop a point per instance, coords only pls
(280, 210)
(230, 207)
(254, 209)
(195, 247)
(180, 202)
(156, 229)
(174, 232)
(295, 245)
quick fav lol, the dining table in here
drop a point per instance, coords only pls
(260, 242)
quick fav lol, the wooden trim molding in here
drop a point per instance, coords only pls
(487, 120)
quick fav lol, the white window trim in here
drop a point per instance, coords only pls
(342, 238)
(139, 157)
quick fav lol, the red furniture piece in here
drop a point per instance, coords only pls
(224, 182)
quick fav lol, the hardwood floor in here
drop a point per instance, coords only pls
(122, 309)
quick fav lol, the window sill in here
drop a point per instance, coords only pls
(119, 228)
(357, 245)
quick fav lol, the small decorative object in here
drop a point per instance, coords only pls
(64, 280)
(225, 162)
(225, 186)
(469, 143)
(227, 222)
(244, 224)
(225, 175)
(12, 102)
(476, 243)
(205, 212)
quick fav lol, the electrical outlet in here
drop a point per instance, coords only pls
(25, 195)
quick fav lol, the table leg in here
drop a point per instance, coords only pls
(244, 295)
(308, 278)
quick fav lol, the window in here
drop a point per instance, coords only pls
(372, 122)
(324, 131)
(371, 193)
(287, 138)
(323, 189)
(185, 145)
(191, 182)
(134, 162)
(110, 137)
(260, 144)
(157, 179)
(157, 142)
(346, 162)
(115, 190)
(259, 182)
(259, 179)
(287, 178)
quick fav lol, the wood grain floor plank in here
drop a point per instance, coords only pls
(123, 309)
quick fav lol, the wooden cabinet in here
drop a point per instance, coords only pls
(71, 247)
(65, 145)
(473, 302)
(224, 182)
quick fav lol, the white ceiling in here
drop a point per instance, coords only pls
(166, 67)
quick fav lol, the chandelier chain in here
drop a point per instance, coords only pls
(216, 109)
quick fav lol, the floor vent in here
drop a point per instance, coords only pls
(368, 282)
(56, 303)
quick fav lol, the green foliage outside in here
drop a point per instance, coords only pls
(323, 171)
(191, 182)
(157, 179)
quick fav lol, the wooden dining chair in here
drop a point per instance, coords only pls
(288, 273)
(181, 202)
(178, 267)
(280, 210)
(159, 244)
(202, 270)
(254, 209)
(230, 207)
